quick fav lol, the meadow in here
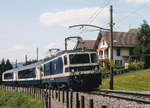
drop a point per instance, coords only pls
(134, 81)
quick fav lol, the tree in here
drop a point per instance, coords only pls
(142, 49)
(8, 65)
(46, 58)
(0, 74)
(30, 62)
(3, 65)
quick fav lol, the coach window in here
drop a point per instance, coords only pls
(8, 76)
(65, 60)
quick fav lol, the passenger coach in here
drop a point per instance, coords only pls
(29, 75)
(9, 77)
(26, 75)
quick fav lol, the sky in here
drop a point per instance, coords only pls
(26, 25)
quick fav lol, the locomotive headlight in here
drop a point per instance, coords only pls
(72, 70)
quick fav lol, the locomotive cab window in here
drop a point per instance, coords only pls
(93, 58)
(65, 60)
(79, 58)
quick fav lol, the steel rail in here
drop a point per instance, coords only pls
(125, 92)
(126, 98)
(120, 97)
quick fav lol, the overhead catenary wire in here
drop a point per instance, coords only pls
(134, 12)
(96, 13)
(93, 17)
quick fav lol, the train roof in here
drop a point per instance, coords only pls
(30, 66)
(72, 51)
(79, 50)
(24, 67)
(11, 70)
(42, 62)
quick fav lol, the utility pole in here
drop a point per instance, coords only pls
(111, 48)
(65, 43)
(16, 63)
(26, 59)
(37, 54)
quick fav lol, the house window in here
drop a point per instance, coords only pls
(118, 51)
(118, 62)
(106, 52)
(100, 54)
(103, 42)
(130, 51)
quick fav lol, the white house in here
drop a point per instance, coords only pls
(123, 44)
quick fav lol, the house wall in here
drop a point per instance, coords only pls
(101, 45)
(123, 52)
(115, 57)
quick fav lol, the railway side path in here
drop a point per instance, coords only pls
(55, 104)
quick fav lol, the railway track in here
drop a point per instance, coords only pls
(139, 97)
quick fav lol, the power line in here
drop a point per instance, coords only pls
(100, 11)
(127, 16)
(96, 13)
(131, 14)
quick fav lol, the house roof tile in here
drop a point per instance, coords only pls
(122, 39)
(88, 44)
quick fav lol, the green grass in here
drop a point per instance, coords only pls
(134, 81)
(12, 99)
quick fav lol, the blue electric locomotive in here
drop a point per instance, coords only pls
(74, 69)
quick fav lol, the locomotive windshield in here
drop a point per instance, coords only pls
(93, 58)
(79, 58)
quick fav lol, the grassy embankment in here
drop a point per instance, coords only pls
(12, 99)
(136, 81)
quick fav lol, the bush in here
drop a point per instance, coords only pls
(126, 70)
(107, 65)
(146, 61)
(131, 67)
(118, 66)
(104, 71)
(141, 65)
(136, 66)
